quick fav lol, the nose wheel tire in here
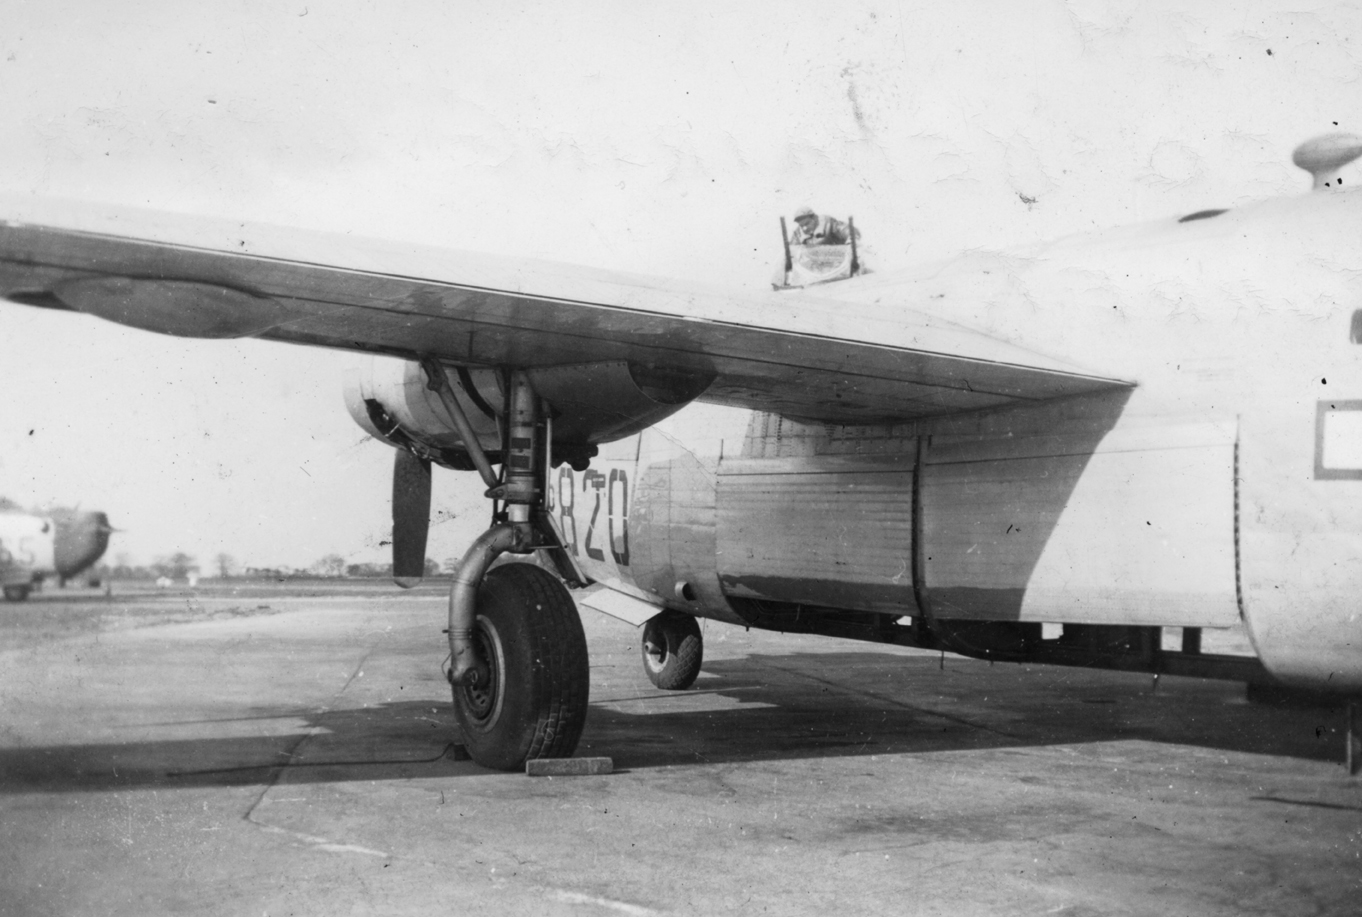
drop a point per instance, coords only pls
(16, 593)
(533, 704)
(672, 650)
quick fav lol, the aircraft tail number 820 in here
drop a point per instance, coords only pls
(593, 512)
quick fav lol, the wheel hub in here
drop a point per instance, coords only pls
(482, 698)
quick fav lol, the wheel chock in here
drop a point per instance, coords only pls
(568, 767)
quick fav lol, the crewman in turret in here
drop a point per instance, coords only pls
(812, 229)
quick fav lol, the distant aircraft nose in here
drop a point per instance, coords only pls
(80, 540)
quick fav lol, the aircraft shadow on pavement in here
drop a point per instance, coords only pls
(871, 703)
(758, 707)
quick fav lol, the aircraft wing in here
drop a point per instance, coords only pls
(804, 356)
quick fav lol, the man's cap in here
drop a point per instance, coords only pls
(804, 212)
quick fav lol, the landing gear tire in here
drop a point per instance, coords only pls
(672, 650)
(16, 593)
(534, 702)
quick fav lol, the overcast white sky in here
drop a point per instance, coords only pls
(648, 138)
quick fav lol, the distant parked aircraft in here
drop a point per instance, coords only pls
(61, 542)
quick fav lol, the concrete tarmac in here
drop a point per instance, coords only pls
(275, 750)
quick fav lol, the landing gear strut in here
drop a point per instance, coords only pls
(518, 658)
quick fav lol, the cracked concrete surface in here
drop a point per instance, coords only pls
(295, 762)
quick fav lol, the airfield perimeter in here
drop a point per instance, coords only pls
(261, 748)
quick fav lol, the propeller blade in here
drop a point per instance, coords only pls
(411, 518)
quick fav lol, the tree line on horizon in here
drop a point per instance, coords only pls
(182, 566)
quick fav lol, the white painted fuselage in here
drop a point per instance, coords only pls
(1226, 485)
(26, 548)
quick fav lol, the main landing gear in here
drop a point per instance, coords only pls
(532, 702)
(518, 658)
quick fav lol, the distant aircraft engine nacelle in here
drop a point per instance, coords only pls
(589, 404)
(79, 541)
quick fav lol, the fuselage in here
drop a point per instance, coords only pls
(26, 547)
(1226, 485)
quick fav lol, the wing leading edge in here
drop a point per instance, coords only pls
(801, 356)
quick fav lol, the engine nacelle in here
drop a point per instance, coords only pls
(589, 403)
(80, 540)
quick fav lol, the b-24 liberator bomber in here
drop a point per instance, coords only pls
(1047, 454)
(59, 542)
